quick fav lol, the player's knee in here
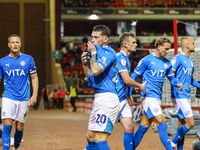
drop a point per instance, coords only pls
(90, 136)
(19, 125)
(191, 125)
(129, 128)
(101, 136)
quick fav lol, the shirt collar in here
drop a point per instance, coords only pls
(123, 52)
(182, 53)
(18, 56)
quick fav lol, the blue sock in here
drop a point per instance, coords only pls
(18, 137)
(87, 147)
(6, 137)
(180, 134)
(103, 145)
(91, 145)
(128, 141)
(139, 134)
(162, 130)
(180, 144)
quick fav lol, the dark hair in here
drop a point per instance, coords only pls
(102, 28)
(14, 35)
(161, 41)
(125, 36)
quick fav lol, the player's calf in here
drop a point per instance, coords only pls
(18, 138)
(6, 137)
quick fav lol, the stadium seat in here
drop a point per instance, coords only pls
(67, 68)
(85, 90)
(90, 91)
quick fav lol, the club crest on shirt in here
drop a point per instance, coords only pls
(4, 113)
(165, 65)
(173, 62)
(123, 62)
(156, 109)
(187, 112)
(140, 62)
(22, 63)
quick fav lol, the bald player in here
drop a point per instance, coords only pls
(183, 68)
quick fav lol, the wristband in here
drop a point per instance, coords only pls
(93, 53)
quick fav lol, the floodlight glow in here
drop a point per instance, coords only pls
(93, 17)
(134, 23)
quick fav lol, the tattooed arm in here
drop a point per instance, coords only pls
(94, 65)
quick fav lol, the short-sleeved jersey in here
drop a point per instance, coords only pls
(153, 71)
(106, 80)
(123, 64)
(183, 67)
(16, 73)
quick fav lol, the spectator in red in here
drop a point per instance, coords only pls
(61, 95)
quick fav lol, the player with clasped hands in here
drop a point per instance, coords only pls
(101, 75)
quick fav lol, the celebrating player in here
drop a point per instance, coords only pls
(101, 77)
(128, 45)
(153, 69)
(183, 68)
(16, 69)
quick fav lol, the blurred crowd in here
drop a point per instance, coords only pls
(170, 3)
(135, 3)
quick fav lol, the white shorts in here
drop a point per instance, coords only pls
(151, 107)
(104, 112)
(125, 110)
(183, 107)
(16, 110)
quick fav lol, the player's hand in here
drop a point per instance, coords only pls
(91, 47)
(142, 87)
(84, 58)
(32, 101)
(180, 86)
(130, 101)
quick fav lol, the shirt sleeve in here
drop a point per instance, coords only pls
(121, 64)
(134, 76)
(32, 68)
(195, 83)
(141, 67)
(106, 59)
(175, 63)
(1, 70)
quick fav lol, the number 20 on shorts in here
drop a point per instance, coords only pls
(101, 118)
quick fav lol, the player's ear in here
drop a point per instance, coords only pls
(106, 39)
(186, 45)
(159, 47)
(125, 44)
